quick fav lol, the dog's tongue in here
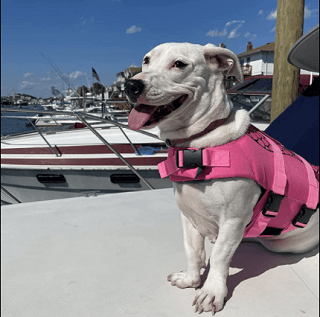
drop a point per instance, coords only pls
(140, 115)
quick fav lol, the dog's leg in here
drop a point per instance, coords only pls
(212, 295)
(196, 257)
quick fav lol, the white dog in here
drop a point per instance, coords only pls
(181, 90)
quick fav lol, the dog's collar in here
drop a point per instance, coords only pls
(213, 125)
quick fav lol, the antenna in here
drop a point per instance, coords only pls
(66, 80)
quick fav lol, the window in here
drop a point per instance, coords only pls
(248, 59)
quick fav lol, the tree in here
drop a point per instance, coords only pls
(82, 89)
(98, 88)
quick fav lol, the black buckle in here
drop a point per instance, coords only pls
(272, 204)
(191, 158)
(303, 216)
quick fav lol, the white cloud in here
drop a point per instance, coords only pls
(27, 85)
(250, 36)
(76, 75)
(234, 21)
(133, 65)
(272, 15)
(308, 13)
(233, 33)
(260, 12)
(26, 75)
(133, 29)
(45, 79)
(273, 29)
(215, 33)
(224, 32)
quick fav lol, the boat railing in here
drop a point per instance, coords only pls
(259, 104)
(82, 117)
(258, 110)
(72, 113)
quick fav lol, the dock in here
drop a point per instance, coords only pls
(110, 255)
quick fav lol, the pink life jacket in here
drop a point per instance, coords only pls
(290, 185)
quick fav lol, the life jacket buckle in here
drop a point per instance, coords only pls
(272, 205)
(190, 159)
(303, 216)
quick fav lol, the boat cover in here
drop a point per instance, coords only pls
(297, 128)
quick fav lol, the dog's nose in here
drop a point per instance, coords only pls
(133, 88)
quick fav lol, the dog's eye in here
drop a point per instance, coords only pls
(180, 64)
(146, 60)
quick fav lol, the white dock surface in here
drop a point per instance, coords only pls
(109, 256)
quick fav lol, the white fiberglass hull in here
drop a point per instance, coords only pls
(29, 185)
(83, 166)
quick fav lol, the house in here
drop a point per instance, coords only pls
(260, 60)
(131, 71)
(257, 61)
(121, 77)
(117, 89)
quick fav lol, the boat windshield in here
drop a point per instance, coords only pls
(253, 85)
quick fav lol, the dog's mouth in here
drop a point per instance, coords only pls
(144, 115)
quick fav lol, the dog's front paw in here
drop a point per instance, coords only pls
(210, 298)
(183, 280)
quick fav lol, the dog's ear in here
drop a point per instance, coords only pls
(219, 58)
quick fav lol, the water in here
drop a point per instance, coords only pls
(12, 126)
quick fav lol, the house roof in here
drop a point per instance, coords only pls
(134, 69)
(267, 47)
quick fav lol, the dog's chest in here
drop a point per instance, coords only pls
(191, 199)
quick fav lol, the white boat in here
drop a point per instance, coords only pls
(90, 104)
(68, 120)
(70, 163)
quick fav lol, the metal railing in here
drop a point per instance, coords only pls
(82, 118)
(71, 113)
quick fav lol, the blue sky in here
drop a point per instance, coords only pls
(111, 35)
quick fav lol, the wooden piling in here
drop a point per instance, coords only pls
(286, 77)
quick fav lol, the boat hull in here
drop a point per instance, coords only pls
(79, 164)
(29, 185)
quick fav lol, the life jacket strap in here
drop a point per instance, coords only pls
(276, 194)
(190, 159)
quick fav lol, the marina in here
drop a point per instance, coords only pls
(67, 157)
(90, 227)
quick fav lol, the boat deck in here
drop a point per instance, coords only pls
(109, 256)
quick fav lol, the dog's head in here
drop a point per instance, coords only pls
(181, 88)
